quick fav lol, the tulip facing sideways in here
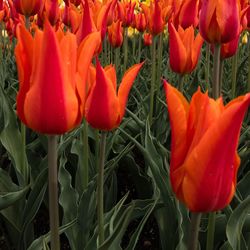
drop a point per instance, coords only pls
(50, 98)
(204, 159)
(105, 106)
(184, 49)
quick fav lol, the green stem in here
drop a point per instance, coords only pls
(194, 231)
(27, 23)
(125, 49)
(85, 164)
(139, 47)
(248, 79)
(100, 183)
(216, 72)
(207, 70)
(117, 59)
(53, 192)
(152, 87)
(221, 74)
(181, 82)
(97, 147)
(234, 73)
(210, 231)
(24, 167)
(159, 63)
(133, 43)
(105, 45)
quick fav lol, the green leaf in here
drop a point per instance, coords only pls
(33, 204)
(236, 222)
(39, 243)
(9, 198)
(11, 139)
(134, 238)
(68, 199)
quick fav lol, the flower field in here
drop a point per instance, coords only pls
(124, 124)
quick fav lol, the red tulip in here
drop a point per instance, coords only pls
(184, 49)
(187, 14)
(204, 137)
(219, 20)
(28, 7)
(105, 106)
(50, 95)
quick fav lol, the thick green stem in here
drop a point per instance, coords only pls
(53, 192)
(85, 164)
(125, 49)
(207, 70)
(234, 73)
(139, 47)
(210, 231)
(194, 231)
(216, 72)
(27, 22)
(181, 82)
(153, 77)
(100, 183)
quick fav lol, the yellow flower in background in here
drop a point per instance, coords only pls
(244, 38)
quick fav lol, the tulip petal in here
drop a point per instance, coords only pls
(177, 51)
(87, 24)
(178, 108)
(86, 51)
(228, 18)
(125, 86)
(23, 54)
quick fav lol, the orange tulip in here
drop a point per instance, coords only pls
(50, 98)
(204, 137)
(157, 14)
(105, 106)
(28, 7)
(184, 49)
(147, 39)
(219, 20)
(115, 34)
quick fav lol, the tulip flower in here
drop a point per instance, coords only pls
(219, 20)
(115, 34)
(204, 137)
(147, 39)
(184, 49)
(105, 106)
(28, 7)
(187, 14)
(140, 22)
(157, 14)
(51, 78)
